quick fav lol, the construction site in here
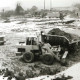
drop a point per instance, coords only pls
(41, 46)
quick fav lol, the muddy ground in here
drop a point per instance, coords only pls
(8, 58)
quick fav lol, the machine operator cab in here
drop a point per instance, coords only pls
(31, 43)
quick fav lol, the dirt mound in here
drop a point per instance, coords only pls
(70, 37)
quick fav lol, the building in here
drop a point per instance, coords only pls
(53, 15)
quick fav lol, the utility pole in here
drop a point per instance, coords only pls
(50, 4)
(44, 4)
(43, 10)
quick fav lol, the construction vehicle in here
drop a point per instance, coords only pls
(38, 46)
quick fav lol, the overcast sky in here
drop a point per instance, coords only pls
(10, 4)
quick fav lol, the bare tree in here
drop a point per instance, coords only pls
(33, 10)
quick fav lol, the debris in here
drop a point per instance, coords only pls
(29, 74)
(63, 78)
(8, 73)
(20, 76)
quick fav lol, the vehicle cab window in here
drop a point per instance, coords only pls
(34, 41)
(28, 41)
(31, 41)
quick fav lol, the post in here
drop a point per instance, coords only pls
(50, 4)
(44, 4)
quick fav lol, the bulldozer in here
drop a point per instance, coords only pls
(41, 46)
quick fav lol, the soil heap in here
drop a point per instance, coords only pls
(70, 37)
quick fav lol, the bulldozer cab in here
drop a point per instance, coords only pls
(30, 44)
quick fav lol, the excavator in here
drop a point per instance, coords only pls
(44, 46)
